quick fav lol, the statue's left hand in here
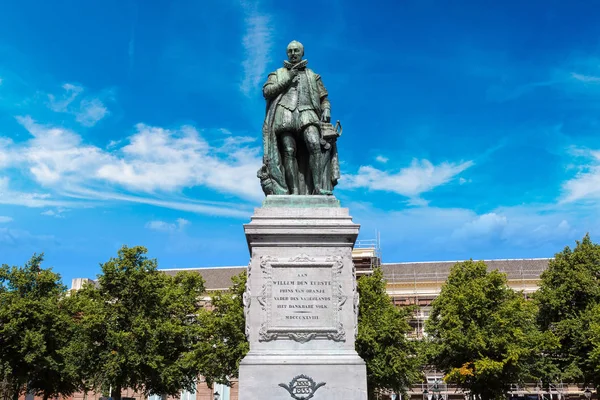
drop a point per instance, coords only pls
(326, 116)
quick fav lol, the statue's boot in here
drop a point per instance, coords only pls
(314, 162)
(291, 174)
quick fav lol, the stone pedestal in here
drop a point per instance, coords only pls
(301, 303)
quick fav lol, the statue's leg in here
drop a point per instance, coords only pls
(312, 137)
(290, 164)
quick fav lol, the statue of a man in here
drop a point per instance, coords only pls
(297, 158)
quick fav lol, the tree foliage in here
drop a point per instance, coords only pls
(392, 360)
(223, 341)
(569, 308)
(35, 331)
(137, 326)
(482, 333)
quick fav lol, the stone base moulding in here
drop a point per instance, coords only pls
(326, 377)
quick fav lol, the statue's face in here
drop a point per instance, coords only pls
(294, 53)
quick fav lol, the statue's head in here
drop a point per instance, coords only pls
(295, 51)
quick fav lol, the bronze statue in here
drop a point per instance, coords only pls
(300, 153)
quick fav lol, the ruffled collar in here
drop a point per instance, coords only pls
(299, 66)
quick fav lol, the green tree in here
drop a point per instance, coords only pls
(593, 360)
(223, 341)
(35, 331)
(393, 361)
(569, 301)
(137, 326)
(482, 333)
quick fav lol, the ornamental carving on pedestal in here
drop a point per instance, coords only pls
(247, 300)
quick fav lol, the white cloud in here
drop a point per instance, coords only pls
(56, 154)
(577, 75)
(88, 112)
(257, 42)
(162, 226)
(182, 204)
(113, 143)
(585, 185)
(382, 159)
(420, 177)
(154, 165)
(31, 199)
(5, 219)
(5, 143)
(57, 213)
(586, 78)
(481, 226)
(161, 159)
(431, 233)
(61, 103)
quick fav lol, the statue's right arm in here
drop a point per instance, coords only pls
(272, 88)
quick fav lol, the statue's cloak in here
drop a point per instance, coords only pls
(272, 173)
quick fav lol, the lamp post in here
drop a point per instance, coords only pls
(436, 390)
(587, 393)
(216, 396)
(538, 389)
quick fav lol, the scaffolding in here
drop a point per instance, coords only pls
(419, 283)
(436, 272)
(366, 255)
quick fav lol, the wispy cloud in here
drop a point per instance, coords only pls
(382, 159)
(585, 185)
(20, 238)
(257, 43)
(586, 78)
(490, 224)
(169, 227)
(153, 165)
(420, 177)
(5, 143)
(89, 110)
(32, 198)
(424, 233)
(502, 93)
(56, 213)
(4, 219)
(172, 202)
(579, 75)
(61, 103)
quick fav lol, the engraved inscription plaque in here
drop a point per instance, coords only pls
(301, 299)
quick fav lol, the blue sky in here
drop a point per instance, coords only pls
(470, 129)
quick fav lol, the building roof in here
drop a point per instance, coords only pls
(219, 278)
(216, 278)
(438, 271)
